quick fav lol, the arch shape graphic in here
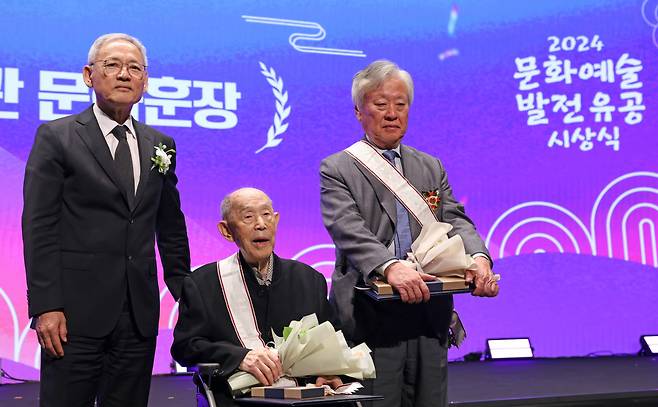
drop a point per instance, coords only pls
(624, 231)
(323, 263)
(312, 249)
(37, 358)
(652, 234)
(172, 315)
(14, 320)
(538, 235)
(21, 340)
(608, 218)
(653, 25)
(607, 188)
(537, 219)
(545, 204)
(163, 292)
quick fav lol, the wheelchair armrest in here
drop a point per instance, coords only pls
(209, 370)
(203, 378)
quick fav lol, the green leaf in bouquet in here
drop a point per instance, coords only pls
(286, 332)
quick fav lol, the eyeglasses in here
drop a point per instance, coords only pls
(114, 66)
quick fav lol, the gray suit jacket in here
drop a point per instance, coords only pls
(360, 214)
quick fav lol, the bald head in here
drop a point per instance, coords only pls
(249, 220)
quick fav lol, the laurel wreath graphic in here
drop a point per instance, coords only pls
(278, 126)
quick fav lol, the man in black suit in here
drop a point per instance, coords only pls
(229, 308)
(96, 194)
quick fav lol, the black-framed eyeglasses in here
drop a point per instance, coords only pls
(114, 66)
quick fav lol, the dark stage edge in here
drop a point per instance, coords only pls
(599, 381)
(595, 381)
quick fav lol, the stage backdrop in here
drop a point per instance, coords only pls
(543, 112)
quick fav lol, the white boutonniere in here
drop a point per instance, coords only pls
(162, 159)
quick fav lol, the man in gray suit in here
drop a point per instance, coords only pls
(372, 232)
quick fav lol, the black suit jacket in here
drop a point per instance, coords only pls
(83, 244)
(204, 332)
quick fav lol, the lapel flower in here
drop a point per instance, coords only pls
(162, 159)
(432, 198)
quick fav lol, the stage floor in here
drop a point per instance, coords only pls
(595, 381)
(598, 381)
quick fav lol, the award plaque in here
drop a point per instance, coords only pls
(381, 290)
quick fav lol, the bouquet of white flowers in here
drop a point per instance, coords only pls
(434, 252)
(311, 349)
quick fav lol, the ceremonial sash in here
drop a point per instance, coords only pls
(238, 302)
(413, 200)
(393, 180)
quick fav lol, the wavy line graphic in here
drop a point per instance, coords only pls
(296, 38)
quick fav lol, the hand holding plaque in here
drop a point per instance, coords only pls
(444, 257)
(485, 282)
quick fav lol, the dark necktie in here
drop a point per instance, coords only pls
(402, 229)
(123, 162)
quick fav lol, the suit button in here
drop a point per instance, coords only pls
(130, 258)
(132, 221)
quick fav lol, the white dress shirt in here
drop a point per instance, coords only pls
(107, 125)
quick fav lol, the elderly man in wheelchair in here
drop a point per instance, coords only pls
(229, 308)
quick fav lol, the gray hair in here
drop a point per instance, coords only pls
(374, 75)
(227, 203)
(104, 39)
(226, 206)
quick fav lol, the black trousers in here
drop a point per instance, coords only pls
(114, 370)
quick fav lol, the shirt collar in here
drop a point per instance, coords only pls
(270, 270)
(381, 151)
(107, 124)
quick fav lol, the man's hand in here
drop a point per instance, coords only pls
(485, 282)
(264, 364)
(408, 282)
(51, 332)
(332, 381)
